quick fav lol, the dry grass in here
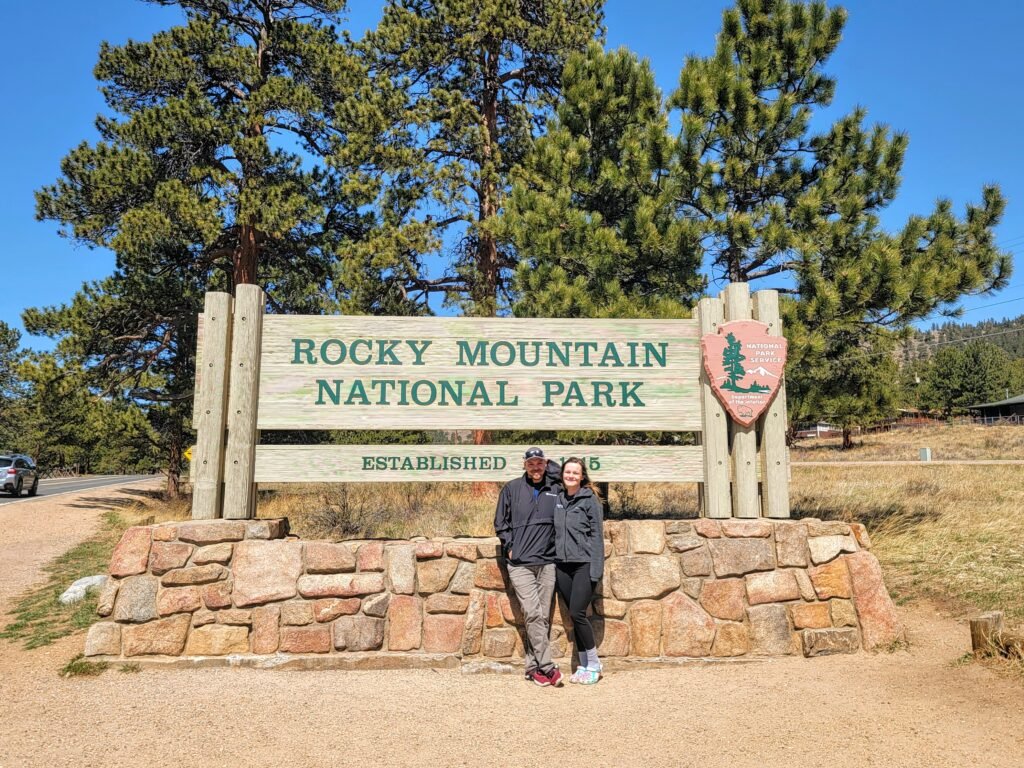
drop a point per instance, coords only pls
(955, 534)
(948, 442)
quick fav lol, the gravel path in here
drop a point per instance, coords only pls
(910, 708)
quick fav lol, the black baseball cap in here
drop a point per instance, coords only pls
(533, 453)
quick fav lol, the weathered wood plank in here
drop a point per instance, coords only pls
(495, 463)
(239, 487)
(207, 465)
(772, 424)
(745, 501)
(716, 496)
(200, 333)
(294, 375)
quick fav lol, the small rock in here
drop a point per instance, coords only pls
(824, 642)
(131, 555)
(473, 633)
(609, 608)
(104, 639)
(879, 623)
(825, 548)
(331, 608)
(358, 633)
(200, 574)
(297, 613)
(405, 623)
(488, 574)
(211, 531)
(136, 599)
(686, 629)
(690, 586)
(445, 603)
(678, 526)
(772, 587)
(217, 595)
(265, 571)
(314, 639)
(377, 605)
(831, 580)
(731, 639)
(817, 527)
(791, 544)
(811, 616)
(105, 602)
(272, 528)
(709, 529)
(724, 598)
(165, 556)
(217, 640)
(435, 575)
(178, 600)
(164, 637)
(489, 548)
(462, 583)
(860, 533)
(401, 568)
(843, 613)
(463, 550)
(696, 562)
(341, 585)
(499, 643)
(370, 556)
(327, 557)
(645, 628)
(635, 577)
(442, 633)
(426, 550)
(78, 589)
(737, 557)
(646, 536)
(612, 637)
(265, 629)
(736, 528)
(769, 630)
(214, 553)
(683, 542)
(202, 617)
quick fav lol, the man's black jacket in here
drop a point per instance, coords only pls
(525, 518)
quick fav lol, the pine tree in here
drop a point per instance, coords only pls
(479, 76)
(959, 376)
(589, 213)
(230, 155)
(732, 362)
(799, 211)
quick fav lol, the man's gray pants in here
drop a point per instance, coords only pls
(534, 586)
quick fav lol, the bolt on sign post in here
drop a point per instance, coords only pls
(258, 372)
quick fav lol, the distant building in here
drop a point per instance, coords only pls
(1010, 408)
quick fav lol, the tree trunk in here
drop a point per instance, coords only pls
(847, 438)
(246, 256)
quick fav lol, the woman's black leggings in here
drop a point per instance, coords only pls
(574, 585)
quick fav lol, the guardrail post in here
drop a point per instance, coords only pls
(772, 424)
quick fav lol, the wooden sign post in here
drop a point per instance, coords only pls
(259, 372)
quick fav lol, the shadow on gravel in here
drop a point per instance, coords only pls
(126, 497)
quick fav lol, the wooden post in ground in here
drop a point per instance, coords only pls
(772, 424)
(985, 631)
(715, 492)
(239, 464)
(745, 502)
(210, 410)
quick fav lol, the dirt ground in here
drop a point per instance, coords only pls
(908, 708)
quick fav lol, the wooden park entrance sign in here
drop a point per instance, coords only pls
(258, 372)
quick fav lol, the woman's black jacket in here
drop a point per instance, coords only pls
(579, 530)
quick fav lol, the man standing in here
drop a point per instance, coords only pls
(525, 523)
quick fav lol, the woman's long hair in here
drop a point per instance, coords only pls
(585, 481)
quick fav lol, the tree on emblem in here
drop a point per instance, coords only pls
(732, 362)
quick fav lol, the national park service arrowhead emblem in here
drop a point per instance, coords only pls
(744, 365)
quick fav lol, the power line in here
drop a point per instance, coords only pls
(994, 304)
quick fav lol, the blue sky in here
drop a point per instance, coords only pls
(945, 72)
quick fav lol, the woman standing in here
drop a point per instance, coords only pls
(579, 560)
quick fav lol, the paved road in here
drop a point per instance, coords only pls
(58, 486)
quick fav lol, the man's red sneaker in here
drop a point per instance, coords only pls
(538, 677)
(555, 677)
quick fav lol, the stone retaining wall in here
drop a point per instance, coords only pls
(694, 588)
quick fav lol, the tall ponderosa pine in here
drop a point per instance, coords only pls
(479, 76)
(591, 213)
(211, 171)
(799, 211)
